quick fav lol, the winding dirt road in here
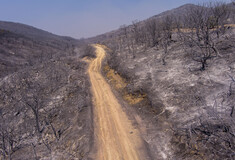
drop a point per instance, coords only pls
(115, 137)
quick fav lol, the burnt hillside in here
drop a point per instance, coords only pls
(45, 106)
(182, 66)
(177, 76)
(23, 45)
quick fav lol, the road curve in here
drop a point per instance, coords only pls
(115, 137)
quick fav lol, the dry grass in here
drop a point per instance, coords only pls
(120, 84)
(134, 98)
(116, 80)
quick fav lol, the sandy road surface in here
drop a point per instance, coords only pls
(115, 137)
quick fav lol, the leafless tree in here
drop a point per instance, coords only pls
(33, 101)
(34, 151)
(153, 31)
(212, 132)
(9, 142)
(230, 92)
(124, 38)
(34, 104)
(220, 13)
(201, 31)
(9, 136)
(49, 121)
(124, 30)
(136, 31)
(167, 26)
(88, 51)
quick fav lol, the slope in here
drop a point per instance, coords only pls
(22, 45)
(188, 113)
(33, 33)
(45, 107)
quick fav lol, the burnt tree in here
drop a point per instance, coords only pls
(200, 33)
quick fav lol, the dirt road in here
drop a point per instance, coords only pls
(115, 137)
